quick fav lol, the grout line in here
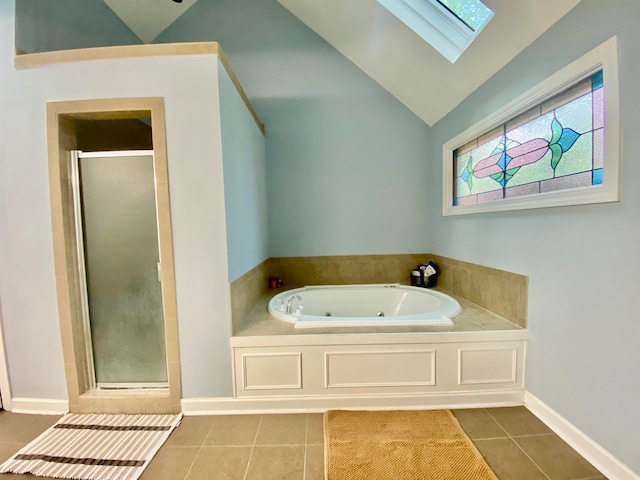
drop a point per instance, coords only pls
(488, 410)
(255, 439)
(306, 439)
(532, 460)
(273, 445)
(488, 438)
(199, 449)
(517, 444)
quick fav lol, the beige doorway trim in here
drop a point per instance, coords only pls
(64, 120)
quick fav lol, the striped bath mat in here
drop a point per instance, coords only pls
(94, 447)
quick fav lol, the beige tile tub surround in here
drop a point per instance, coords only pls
(245, 292)
(346, 269)
(503, 293)
(248, 289)
(62, 121)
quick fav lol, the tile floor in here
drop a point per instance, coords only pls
(515, 444)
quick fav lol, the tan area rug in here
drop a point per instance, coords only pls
(397, 445)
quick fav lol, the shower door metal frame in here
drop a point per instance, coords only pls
(74, 172)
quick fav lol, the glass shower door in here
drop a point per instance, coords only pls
(121, 256)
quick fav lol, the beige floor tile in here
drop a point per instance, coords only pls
(220, 463)
(282, 430)
(557, 459)
(507, 460)
(518, 421)
(280, 452)
(477, 424)
(314, 463)
(170, 463)
(315, 433)
(233, 430)
(191, 432)
(15, 427)
(7, 449)
(36, 426)
(284, 462)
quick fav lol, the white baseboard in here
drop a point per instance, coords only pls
(321, 403)
(39, 406)
(600, 458)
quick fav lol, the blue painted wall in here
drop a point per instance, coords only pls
(47, 25)
(346, 161)
(245, 181)
(350, 170)
(582, 261)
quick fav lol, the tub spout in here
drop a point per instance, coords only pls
(290, 303)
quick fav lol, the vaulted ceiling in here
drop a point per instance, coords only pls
(386, 49)
(148, 18)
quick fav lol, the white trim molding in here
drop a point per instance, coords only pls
(603, 57)
(600, 458)
(40, 406)
(321, 403)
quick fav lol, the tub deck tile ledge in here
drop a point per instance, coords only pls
(473, 320)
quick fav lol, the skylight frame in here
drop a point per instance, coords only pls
(436, 25)
(486, 10)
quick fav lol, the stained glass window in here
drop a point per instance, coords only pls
(557, 145)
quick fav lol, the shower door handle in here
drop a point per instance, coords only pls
(159, 265)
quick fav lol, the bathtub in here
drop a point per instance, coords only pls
(363, 306)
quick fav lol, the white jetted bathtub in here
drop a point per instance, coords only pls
(362, 306)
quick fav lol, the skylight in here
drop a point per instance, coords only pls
(473, 13)
(448, 25)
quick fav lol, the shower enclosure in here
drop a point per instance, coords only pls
(117, 236)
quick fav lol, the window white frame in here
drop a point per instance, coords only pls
(603, 57)
(435, 24)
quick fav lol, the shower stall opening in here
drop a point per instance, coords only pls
(114, 200)
(113, 254)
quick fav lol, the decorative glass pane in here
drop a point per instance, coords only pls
(534, 172)
(473, 13)
(556, 145)
(578, 158)
(577, 114)
(522, 190)
(597, 176)
(598, 108)
(598, 148)
(537, 128)
(564, 183)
